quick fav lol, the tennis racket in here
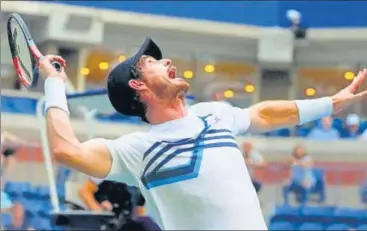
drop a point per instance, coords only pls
(24, 51)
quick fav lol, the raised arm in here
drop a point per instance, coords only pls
(272, 115)
(91, 157)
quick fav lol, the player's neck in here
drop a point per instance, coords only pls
(158, 113)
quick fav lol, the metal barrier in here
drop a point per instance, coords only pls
(343, 180)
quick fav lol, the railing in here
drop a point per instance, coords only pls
(342, 178)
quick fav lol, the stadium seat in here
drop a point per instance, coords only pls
(287, 210)
(281, 132)
(336, 227)
(286, 213)
(317, 211)
(282, 226)
(43, 192)
(5, 220)
(350, 216)
(42, 224)
(31, 193)
(16, 190)
(311, 226)
(18, 105)
(338, 124)
(317, 214)
(362, 227)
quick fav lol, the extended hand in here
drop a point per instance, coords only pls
(348, 95)
(47, 70)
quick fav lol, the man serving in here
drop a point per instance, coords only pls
(187, 165)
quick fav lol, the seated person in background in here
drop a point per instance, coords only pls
(324, 131)
(253, 160)
(8, 151)
(352, 122)
(103, 195)
(7, 206)
(302, 176)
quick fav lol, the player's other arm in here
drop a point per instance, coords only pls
(91, 157)
(272, 115)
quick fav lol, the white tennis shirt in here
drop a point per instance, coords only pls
(191, 171)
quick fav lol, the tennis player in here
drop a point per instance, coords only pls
(187, 165)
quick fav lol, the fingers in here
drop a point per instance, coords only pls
(48, 59)
(357, 81)
(362, 95)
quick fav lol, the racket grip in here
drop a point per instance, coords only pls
(57, 66)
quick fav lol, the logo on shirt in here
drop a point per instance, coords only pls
(162, 154)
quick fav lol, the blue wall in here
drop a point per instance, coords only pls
(262, 13)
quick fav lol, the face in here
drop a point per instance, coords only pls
(299, 152)
(353, 128)
(327, 122)
(158, 80)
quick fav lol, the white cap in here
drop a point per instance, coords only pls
(352, 119)
(293, 15)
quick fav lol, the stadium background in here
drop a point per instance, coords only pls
(241, 52)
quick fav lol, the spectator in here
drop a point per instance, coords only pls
(253, 160)
(294, 17)
(352, 123)
(324, 132)
(101, 195)
(302, 178)
(7, 206)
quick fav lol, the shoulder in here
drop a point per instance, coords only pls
(205, 108)
(234, 118)
(132, 144)
(132, 138)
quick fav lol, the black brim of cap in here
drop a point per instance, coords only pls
(122, 97)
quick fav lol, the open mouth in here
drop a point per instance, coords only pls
(172, 72)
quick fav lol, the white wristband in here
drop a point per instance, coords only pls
(55, 94)
(314, 109)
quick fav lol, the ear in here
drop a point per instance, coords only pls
(136, 84)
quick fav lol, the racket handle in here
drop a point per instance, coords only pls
(57, 66)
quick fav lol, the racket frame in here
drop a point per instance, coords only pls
(35, 52)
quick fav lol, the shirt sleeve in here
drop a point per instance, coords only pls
(240, 119)
(237, 119)
(125, 160)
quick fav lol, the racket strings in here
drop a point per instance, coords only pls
(26, 60)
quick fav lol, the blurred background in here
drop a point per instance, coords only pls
(311, 177)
